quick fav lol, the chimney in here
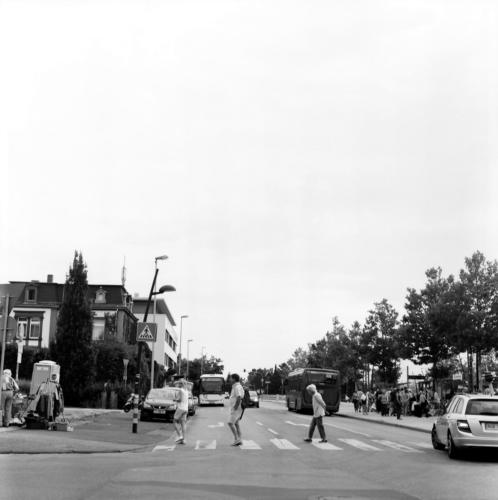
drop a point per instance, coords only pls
(50, 278)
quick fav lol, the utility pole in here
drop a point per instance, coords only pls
(5, 314)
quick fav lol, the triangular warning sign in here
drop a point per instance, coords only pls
(146, 335)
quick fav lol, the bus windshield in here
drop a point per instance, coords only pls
(316, 377)
(212, 386)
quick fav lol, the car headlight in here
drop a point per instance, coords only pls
(173, 406)
(147, 405)
(463, 426)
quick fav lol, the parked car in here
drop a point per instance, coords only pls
(159, 404)
(192, 404)
(469, 421)
(251, 398)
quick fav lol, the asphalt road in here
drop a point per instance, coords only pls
(361, 461)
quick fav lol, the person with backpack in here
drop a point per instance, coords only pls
(319, 410)
(236, 408)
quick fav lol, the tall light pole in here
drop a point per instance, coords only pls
(202, 358)
(161, 257)
(180, 350)
(188, 356)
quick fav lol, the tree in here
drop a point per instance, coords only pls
(425, 333)
(299, 359)
(380, 333)
(72, 348)
(477, 297)
(211, 365)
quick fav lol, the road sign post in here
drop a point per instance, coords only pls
(5, 311)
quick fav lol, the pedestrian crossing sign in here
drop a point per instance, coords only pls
(146, 332)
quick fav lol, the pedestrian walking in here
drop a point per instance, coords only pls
(9, 385)
(180, 417)
(319, 409)
(236, 411)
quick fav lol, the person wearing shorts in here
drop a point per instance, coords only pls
(235, 403)
(180, 417)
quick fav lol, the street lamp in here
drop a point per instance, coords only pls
(180, 350)
(188, 358)
(202, 358)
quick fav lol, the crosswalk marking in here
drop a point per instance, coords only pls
(259, 423)
(205, 445)
(360, 445)
(296, 425)
(421, 444)
(273, 432)
(161, 447)
(283, 444)
(324, 446)
(346, 429)
(396, 446)
(249, 445)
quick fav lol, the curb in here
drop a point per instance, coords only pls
(139, 449)
(382, 422)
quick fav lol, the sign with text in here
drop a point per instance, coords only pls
(146, 332)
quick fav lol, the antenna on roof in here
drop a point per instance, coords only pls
(123, 272)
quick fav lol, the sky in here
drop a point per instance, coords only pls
(295, 160)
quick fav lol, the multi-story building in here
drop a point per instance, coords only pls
(166, 346)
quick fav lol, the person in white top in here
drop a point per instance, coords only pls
(319, 410)
(235, 403)
(180, 417)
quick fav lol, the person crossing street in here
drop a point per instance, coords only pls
(236, 412)
(180, 417)
(319, 409)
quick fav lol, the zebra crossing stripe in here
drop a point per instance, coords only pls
(421, 445)
(249, 445)
(283, 444)
(259, 423)
(161, 447)
(272, 431)
(396, 446)
(205, 445)
(360, 445)
(325, 446)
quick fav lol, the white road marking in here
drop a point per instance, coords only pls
(205, 445)
(283, 444)
(161, 447)
(347, 429)
(273, 432)
(396, 446)
(360, 445)
(324, 446)
(297, 425)
(249, 445)
(219, 424)
(421, 444)
(259, 423)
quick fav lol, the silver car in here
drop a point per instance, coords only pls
(469, 421)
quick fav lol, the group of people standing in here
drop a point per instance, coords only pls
(396, 402)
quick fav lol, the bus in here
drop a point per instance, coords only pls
(328, 384)
(212, 390)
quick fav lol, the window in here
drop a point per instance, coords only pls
(458, 406)
(34, 328)
(98, 329)
(100, 296)
(22, 328)
(31, 294)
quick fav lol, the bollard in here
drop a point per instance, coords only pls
(135, 414)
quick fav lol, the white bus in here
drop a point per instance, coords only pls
(212, 390)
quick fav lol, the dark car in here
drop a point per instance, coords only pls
(192, 404)
(251, 398)
(160, 404)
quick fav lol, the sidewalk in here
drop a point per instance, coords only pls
(422, 424)
(95, 431)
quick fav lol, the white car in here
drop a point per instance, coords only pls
(469, 421)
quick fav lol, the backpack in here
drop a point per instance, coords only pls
(245, 400)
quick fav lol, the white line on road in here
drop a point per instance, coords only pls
(347, 429)
(205, 445)
(259, 423)
(360, 445)
(249, 445)
(324, 446)
(421, 444)
(219, 424)
(396, 446)
(161, 447)
(283, 444)
(273, 432)
(297, 425)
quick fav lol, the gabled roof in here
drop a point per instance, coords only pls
(139, 306)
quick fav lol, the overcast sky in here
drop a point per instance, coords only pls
(296, 160)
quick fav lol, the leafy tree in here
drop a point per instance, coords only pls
(380, 333)
(212, 365)
(430, 319)
(299, 359)
(72, 348)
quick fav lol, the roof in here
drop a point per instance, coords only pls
(140, 304)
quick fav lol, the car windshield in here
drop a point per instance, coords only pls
(212, 386)
(482, 407)
(321, 377)
(162, 394)
(253, 393)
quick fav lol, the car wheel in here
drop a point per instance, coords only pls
(257, 405)
(435, 442)
(453, 452)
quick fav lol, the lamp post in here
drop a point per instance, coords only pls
(166, 288)
(188, 358)
(202, 358)
(180, 350)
